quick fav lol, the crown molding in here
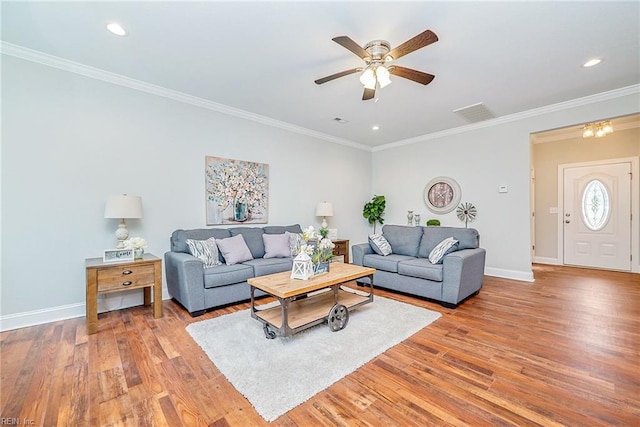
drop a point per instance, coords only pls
(99, 74)
(106, 76)
(590, 99)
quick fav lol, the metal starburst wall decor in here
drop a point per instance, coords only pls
(466, 212)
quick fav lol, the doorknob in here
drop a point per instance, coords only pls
(567, 221)
(567, 214)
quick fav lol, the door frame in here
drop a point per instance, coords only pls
(635, 206)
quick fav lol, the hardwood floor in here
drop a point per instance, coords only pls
(561, 351)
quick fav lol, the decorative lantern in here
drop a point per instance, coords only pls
(302, 267)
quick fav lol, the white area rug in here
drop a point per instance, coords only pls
(277, 375)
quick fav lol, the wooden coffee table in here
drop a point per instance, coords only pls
(306, 303)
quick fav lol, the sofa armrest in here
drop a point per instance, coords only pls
(185, 280)
(359, 251)
(463, 273)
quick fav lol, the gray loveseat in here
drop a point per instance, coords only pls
(407, 269)
(198, 288)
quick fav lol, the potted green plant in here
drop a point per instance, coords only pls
(433, 223)
(374, 209)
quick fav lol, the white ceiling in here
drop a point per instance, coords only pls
(263, 57)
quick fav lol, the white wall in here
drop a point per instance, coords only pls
(68, 142)
(481, 160)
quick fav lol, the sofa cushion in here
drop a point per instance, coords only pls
(468, 238)
(379, 244)
(387, 263)
(253, 239)
(276, 246)
(222, 275)
(281, 229)
(404, 240)
(179, 237)
(234, 250)
(421, 268)
(446, 246)
(264, 266)
(205, 250)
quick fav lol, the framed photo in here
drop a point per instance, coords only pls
(115, 255)
(442, 195)
(236, 191)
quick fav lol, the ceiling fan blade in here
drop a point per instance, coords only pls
(337, 75)
(368, 94)
(354, 47)
(421, 40)
(415, 75)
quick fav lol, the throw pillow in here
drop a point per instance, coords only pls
(379, 244)
(205, 250)
(234, 250)
(295, 241)
(276, 246)
(441, 249)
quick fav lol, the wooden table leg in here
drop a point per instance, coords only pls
(92, 301)
(157, 291)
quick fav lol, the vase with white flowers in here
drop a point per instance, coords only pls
(138, 244)
(319, 249)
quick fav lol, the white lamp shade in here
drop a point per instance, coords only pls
(324, 209)
(123, 206)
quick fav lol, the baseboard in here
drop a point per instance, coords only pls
(545, 260)
(70, 311)
(524, 276)
(38, 317)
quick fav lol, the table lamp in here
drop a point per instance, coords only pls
(324, 209)
(123, 206)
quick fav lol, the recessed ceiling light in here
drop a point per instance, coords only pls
(375, 127)
(116, 29)
(592, 62)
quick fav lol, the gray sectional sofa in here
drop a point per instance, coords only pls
(198, 288)
(407, 269)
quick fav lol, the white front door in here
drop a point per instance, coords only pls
(597, 216)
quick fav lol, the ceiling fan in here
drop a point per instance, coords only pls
(377, 55)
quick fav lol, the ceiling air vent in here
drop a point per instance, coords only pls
(339, 120)
(475, 113)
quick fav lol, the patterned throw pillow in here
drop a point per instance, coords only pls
(295, 241)
(446, 246)
(205, 250)
(379, 244)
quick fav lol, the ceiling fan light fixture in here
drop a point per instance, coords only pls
(383, 76)
(368, 78)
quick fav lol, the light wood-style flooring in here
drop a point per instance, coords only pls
(561, 351)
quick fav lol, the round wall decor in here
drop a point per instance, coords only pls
(442, 195)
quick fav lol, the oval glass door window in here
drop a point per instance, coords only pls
(595, 205)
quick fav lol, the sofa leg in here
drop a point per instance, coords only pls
(197, 313)
(448, 305)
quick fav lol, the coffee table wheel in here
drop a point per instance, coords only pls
(338, 317)
(267, 333)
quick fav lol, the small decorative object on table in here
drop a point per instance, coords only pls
(416, 218)
(313, 257)
(466, 212)
(433, 222)
(409, 217)
(138, 244)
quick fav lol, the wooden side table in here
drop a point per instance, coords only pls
(108, 277)
(341, 249)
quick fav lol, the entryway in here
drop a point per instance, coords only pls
(596, 215)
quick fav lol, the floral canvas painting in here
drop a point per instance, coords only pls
(236, 191)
